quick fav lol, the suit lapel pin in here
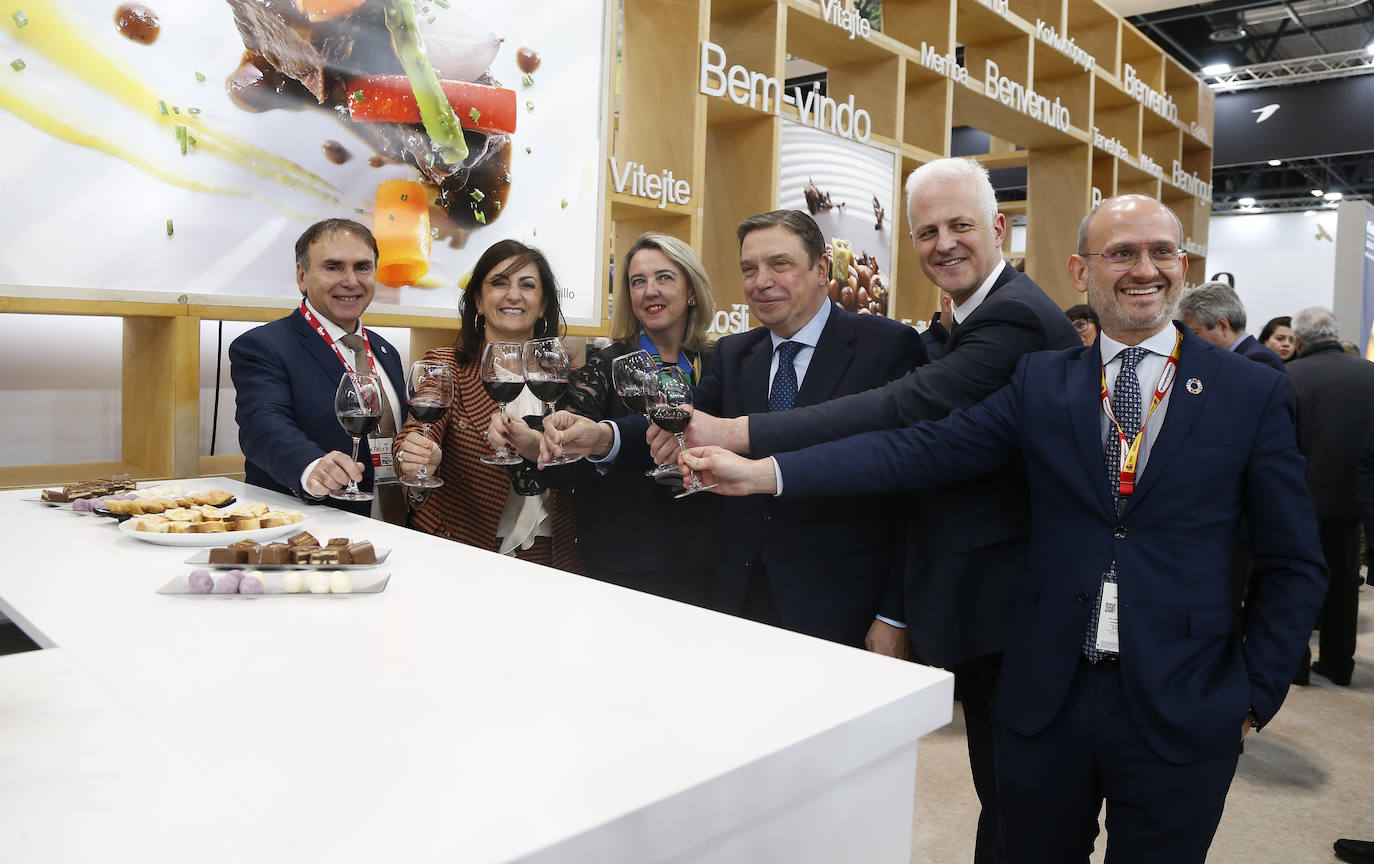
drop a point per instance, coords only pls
(1194, 386)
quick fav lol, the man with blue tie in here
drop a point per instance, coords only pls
(285, 374)
(1125, 677)
(832, 568)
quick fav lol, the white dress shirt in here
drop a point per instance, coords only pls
(1151, 366)
(967, 308)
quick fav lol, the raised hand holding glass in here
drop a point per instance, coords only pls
(358, 406)
(429, 390)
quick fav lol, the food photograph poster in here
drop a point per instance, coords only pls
(847, 188)
(183, 145)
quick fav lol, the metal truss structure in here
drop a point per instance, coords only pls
(1341, 64)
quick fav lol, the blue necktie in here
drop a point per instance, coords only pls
(783, 394)
(1126, 408)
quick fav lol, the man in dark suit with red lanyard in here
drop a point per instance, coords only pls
(966, 541)
(286, 372)
(1125, 676)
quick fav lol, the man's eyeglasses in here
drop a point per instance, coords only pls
(1082, 324)
(1164, 255)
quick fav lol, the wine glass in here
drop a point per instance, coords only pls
(633, 376)
(429, 390)
(503, 375)
(547, 371)
(670, 409)
(358, 405)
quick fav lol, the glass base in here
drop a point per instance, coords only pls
(667, 469)
(351, 496)
(494, 459)
(422, 482)
(562, 460)
(692, 490)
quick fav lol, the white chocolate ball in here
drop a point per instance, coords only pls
(292, 581)
(339, 583)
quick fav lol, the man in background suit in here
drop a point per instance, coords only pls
(824, 568)
(1335, 395)
(966, 541)
(286, 372)
(1214, 313)
(1125, 677)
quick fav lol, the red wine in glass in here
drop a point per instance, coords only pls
(503, 376)
(358, 407)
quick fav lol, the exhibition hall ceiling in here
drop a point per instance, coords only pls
(1247, 32)
(1282, 55)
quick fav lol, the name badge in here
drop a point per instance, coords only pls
(1107, 620)
(383, 466)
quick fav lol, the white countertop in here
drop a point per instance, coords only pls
(479, 709)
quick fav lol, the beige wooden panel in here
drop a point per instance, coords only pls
(160, 391)
(1057, 185)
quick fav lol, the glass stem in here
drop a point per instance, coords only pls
(681, 446)
(423, 471)
(501, 451)
(353, 484)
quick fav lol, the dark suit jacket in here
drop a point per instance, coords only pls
(1335, 394)
(1250, 347)
(285, 377)
(833, 565)
(1224, 452)
(966, 541)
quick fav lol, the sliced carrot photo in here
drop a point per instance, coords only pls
(389, 99)
(325, 10)
(401, 226)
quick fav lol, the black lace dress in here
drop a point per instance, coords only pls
(632, 531)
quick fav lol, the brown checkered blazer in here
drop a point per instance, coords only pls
(468, 507)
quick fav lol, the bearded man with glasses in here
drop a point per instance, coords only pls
(1125, 677)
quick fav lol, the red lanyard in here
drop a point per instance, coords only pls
(1130, 452)
(324, 334)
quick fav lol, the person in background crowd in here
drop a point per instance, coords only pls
(1141, 702)
(1362, 851)
(1277, 336)
(966, 542)
(822, 568)
(665, 308)
(1214, 313)
(286, 373)
(1084, 321)
(511, 296)
(1335, 396)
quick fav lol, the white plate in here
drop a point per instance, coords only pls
(223, 538)
(201, 558)
(368, 582)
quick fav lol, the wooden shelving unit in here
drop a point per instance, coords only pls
(1112, 142)
(728, 153)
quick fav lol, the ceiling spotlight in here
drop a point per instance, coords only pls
(1316, 193)
(1247, 202)
(1333, 196)
(1216, 69)
(1274, 163)
(1369, 49)
(1227, 34)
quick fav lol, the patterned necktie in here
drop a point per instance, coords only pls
(390, 496)
(1126, 408)
(783, 394)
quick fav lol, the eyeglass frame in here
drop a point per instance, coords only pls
(1136, 248)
